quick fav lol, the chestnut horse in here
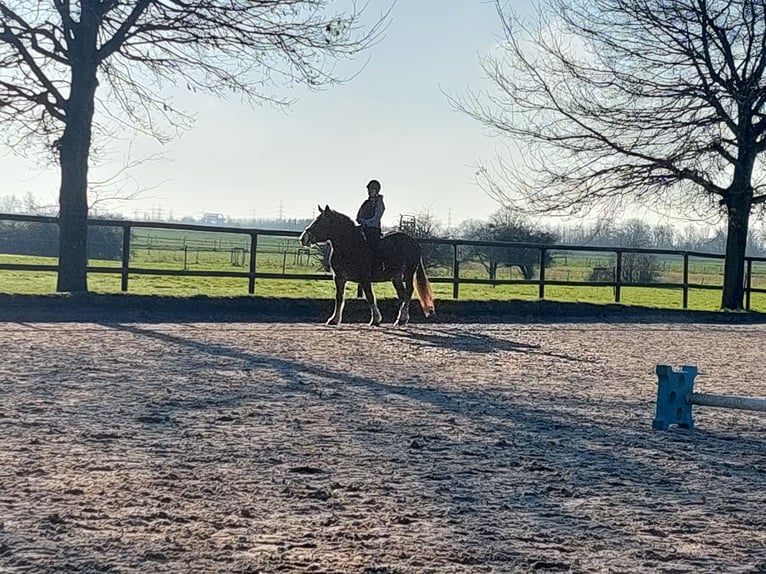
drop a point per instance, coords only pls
(351, 260)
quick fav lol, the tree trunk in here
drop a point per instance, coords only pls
(493, 270)
(74, 151)
(73, 220)
(736, 244)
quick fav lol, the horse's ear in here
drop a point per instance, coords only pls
(327, 207)
(319, 207)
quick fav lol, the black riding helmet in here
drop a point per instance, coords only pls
(374, 184)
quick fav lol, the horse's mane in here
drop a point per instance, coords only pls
(343, 218)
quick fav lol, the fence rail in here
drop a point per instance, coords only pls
(252, 274)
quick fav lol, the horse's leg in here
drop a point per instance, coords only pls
(370, 296)
(340, 293)
(401, 296)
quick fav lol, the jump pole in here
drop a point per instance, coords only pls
(675, 397)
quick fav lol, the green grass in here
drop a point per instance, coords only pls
(20, 282)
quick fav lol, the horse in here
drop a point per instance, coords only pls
(351, 259)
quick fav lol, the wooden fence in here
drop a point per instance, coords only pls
(616, 281)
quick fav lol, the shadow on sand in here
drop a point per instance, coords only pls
(155, 309)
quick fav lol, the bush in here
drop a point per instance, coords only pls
(639, 268)
(42, 240)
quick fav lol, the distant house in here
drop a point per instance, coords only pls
(213, 218)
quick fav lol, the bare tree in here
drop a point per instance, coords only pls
(637, 267)
(72, 71)
(643, 102)
(663, 236)
(507, 226)
(691, 239)
(427, 226)
(10, 204)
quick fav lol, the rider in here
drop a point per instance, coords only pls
(369, 216)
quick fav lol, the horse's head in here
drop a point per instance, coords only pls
(321, 229)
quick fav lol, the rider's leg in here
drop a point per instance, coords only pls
(373, 236)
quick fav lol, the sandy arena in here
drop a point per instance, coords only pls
(444, 448)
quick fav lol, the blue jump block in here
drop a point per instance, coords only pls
(674, 392)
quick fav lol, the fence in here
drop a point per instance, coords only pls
(605, 277)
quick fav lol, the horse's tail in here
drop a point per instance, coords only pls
(425, 293)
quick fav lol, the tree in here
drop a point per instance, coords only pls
(633, 101)
(663, 236)
(71, 71)
(637, 267)
(426, 226)
(41, 240)
(507, 226)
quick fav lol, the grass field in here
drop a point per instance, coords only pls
(281, 255)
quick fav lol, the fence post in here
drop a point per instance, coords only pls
(455, 273)
(541, 286)
(749, 283)
(686, 281)
(618, 278)
(125, 256)
(253, 249)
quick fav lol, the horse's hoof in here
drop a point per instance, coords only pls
(331, 322)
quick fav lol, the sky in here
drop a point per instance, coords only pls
(392, 122)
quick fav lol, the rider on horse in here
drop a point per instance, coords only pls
(369, 216)
(350, 261)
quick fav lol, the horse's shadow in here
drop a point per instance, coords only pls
(462, 340)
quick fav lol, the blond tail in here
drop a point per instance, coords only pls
(425, 293)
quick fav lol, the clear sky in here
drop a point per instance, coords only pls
(391, 122)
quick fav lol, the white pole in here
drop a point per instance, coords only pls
(728, 402)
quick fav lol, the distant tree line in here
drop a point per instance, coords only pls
(637, 233)
(506, 225)
(42, 240)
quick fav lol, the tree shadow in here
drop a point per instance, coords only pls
(565, 455)
(110, 308)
